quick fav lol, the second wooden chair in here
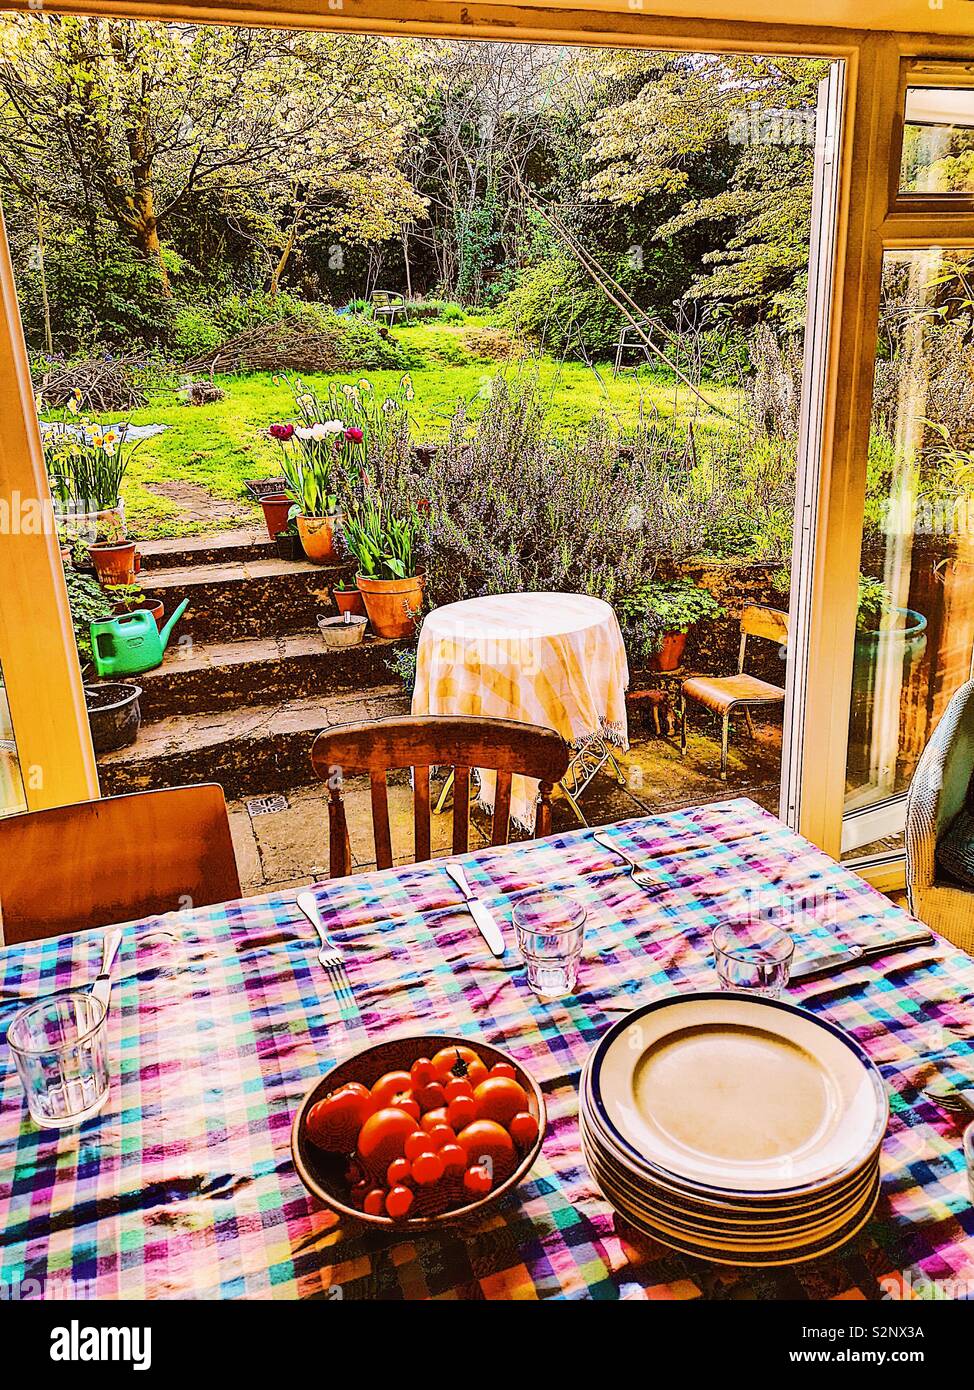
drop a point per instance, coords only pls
(420, 743)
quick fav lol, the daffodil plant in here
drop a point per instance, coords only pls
(86, 462)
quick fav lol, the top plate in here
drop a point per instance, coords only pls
(731, 1092)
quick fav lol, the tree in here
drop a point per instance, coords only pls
(146, 116)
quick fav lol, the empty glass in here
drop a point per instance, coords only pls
(61, 1052)
(753, 956)
(550, 930)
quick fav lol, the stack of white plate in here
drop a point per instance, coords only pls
(735, 1128)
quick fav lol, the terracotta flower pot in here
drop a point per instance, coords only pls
(154, 606)
(670, 654)
(349, 601)
(114, 562)
(392, 604)
(275, 507)
(318, 538)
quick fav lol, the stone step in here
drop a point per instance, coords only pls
(200, 677)
(225, 547)
(237, 599)
(250, 750)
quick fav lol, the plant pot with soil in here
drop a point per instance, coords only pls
(349, 600)
(113, 714)
(389, 579)
(309, 459)
(129, 598)
(114, 562)
(288, 541)
(656, 619)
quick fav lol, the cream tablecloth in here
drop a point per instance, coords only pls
(552, 659)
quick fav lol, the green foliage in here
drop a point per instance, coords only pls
(86, 464)
(382, 541)
(88, 604)
(875, 601)
(651, 610)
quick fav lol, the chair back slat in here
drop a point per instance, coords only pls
(117, 859)
(339, 849)
(769, 623)
(421, 813)
(445, 741)
(461, 809)
(380, 819)
(502, 809)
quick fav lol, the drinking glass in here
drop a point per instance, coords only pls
(60, 1048)
(753, 956)
(969, 1156)
(550, 929)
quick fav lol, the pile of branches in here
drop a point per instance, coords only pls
(287, 345)
(98, 384)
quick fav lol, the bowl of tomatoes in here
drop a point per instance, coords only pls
(418, 1131)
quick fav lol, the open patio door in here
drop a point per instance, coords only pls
(821, 261)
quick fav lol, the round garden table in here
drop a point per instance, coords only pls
(537, 658)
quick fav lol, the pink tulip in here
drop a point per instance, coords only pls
(354, 434)
(281, 432)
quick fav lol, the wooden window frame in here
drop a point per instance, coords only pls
(36, 650)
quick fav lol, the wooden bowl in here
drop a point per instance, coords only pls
(324, 1174)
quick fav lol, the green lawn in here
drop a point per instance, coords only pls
(215, 447)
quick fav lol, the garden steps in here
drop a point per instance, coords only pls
(209, 676)
(250, 750)
(243, 544)
(239, 599)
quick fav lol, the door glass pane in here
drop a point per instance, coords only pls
(915, 631)
(938, 141)
(11, 783)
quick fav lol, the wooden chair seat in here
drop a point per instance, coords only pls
(422, 742)
(721, 693)
(72, 868)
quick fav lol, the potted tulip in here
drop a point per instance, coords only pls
(388, 578)
(308, 453)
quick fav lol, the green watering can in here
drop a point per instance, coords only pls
(132, 642)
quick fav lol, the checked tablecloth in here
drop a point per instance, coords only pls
(221, 1019)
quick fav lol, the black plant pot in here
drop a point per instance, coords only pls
(289, 547)
(114, 714)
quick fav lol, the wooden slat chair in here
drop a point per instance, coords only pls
(71, 868)
(436, 740)
(724, 694)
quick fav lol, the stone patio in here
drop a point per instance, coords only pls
(288, 848)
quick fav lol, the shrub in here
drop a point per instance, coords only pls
(651, 610)
(88, 604)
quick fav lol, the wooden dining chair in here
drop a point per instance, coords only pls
(722, 695)
(114, 860)
(435, 740)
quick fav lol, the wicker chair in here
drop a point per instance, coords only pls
(942, 786)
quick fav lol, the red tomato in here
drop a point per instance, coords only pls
(432, 1118)
(523, 1129)
(459, 1086)
(427, 1169)
(409, 1104)
(432, 1097)
(440, 1135)
(375, 1201)
(418, 1143)
(503, 1069)
(488, 1143)
(422, 1073)
(398, 1172)
(498, 1098)
(383, 1138)
(398, 1202)
(454, 1160)
(394, 1083)
(461, 1112)
(334, 1123)
(477, 1181)
(460, 1062)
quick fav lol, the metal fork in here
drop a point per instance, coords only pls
(643, 878)
(329, 956)
(957, 1100)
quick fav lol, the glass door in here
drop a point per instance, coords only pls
(915, 623)
(12, 796)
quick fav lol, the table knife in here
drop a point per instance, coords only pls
(480, 913)
(814, 967)
(102, 988)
